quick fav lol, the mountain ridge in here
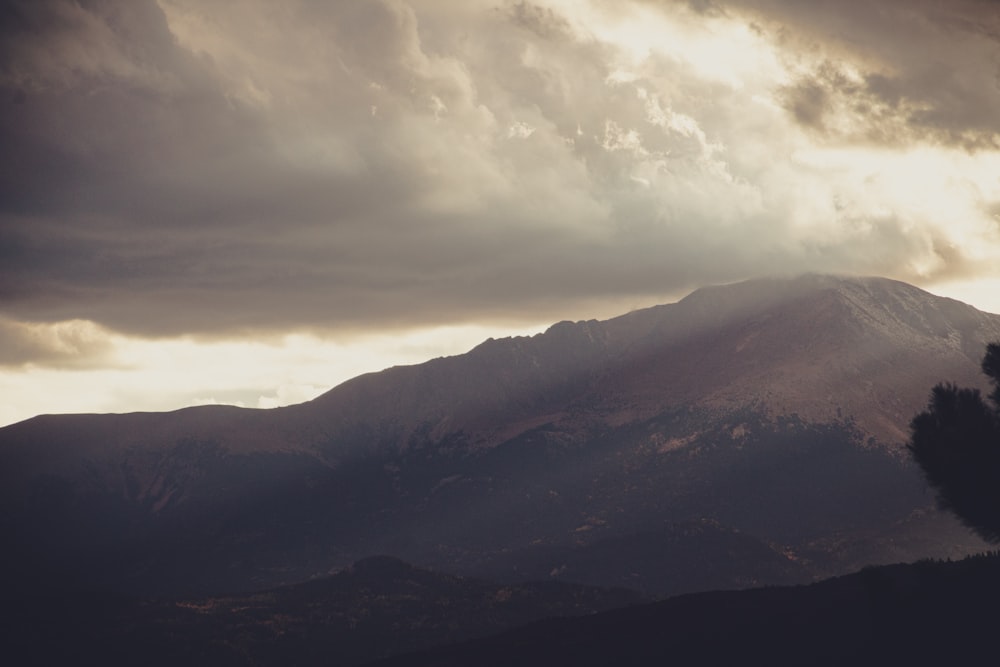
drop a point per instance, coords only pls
(375, 607)
(628, 336)
(794, 392)
(634, 337)
(924, 613)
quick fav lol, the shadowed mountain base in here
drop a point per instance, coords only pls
(376, 608)
(926, 613)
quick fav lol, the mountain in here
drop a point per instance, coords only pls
(919, 614)
(372, 609)
(769, 414)
(809, 346)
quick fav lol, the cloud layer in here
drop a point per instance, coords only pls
(193, 167)
(891, 72)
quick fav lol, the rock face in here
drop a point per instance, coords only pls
(773, 409)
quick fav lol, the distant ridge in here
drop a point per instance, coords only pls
(376, 607)
(921, 614)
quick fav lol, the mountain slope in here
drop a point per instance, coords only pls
(921, 614)
(375, 608)
(807, 345)
(753, 406)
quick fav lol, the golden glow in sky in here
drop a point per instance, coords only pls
(250, 204)
(144, 375)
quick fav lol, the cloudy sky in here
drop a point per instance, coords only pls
(250, 201)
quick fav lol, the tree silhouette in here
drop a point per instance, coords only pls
(956, 442)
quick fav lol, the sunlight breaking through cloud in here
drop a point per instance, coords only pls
(185, 171)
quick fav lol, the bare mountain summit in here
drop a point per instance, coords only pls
(822, 347)
(762, 420)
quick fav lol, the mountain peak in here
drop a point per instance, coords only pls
(562, 437)
(821, 346)
(879, 306)
(767, 291)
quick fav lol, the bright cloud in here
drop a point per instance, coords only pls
(189, 186)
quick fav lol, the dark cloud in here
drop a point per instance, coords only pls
(808, 102)
(903, 70)
(543, 21)
(183, 167)
(71, 345)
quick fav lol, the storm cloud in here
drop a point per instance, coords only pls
(893, 71)
(205, 168)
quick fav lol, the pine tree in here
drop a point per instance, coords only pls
(956, 442)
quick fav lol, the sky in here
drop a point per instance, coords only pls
(249, 201)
